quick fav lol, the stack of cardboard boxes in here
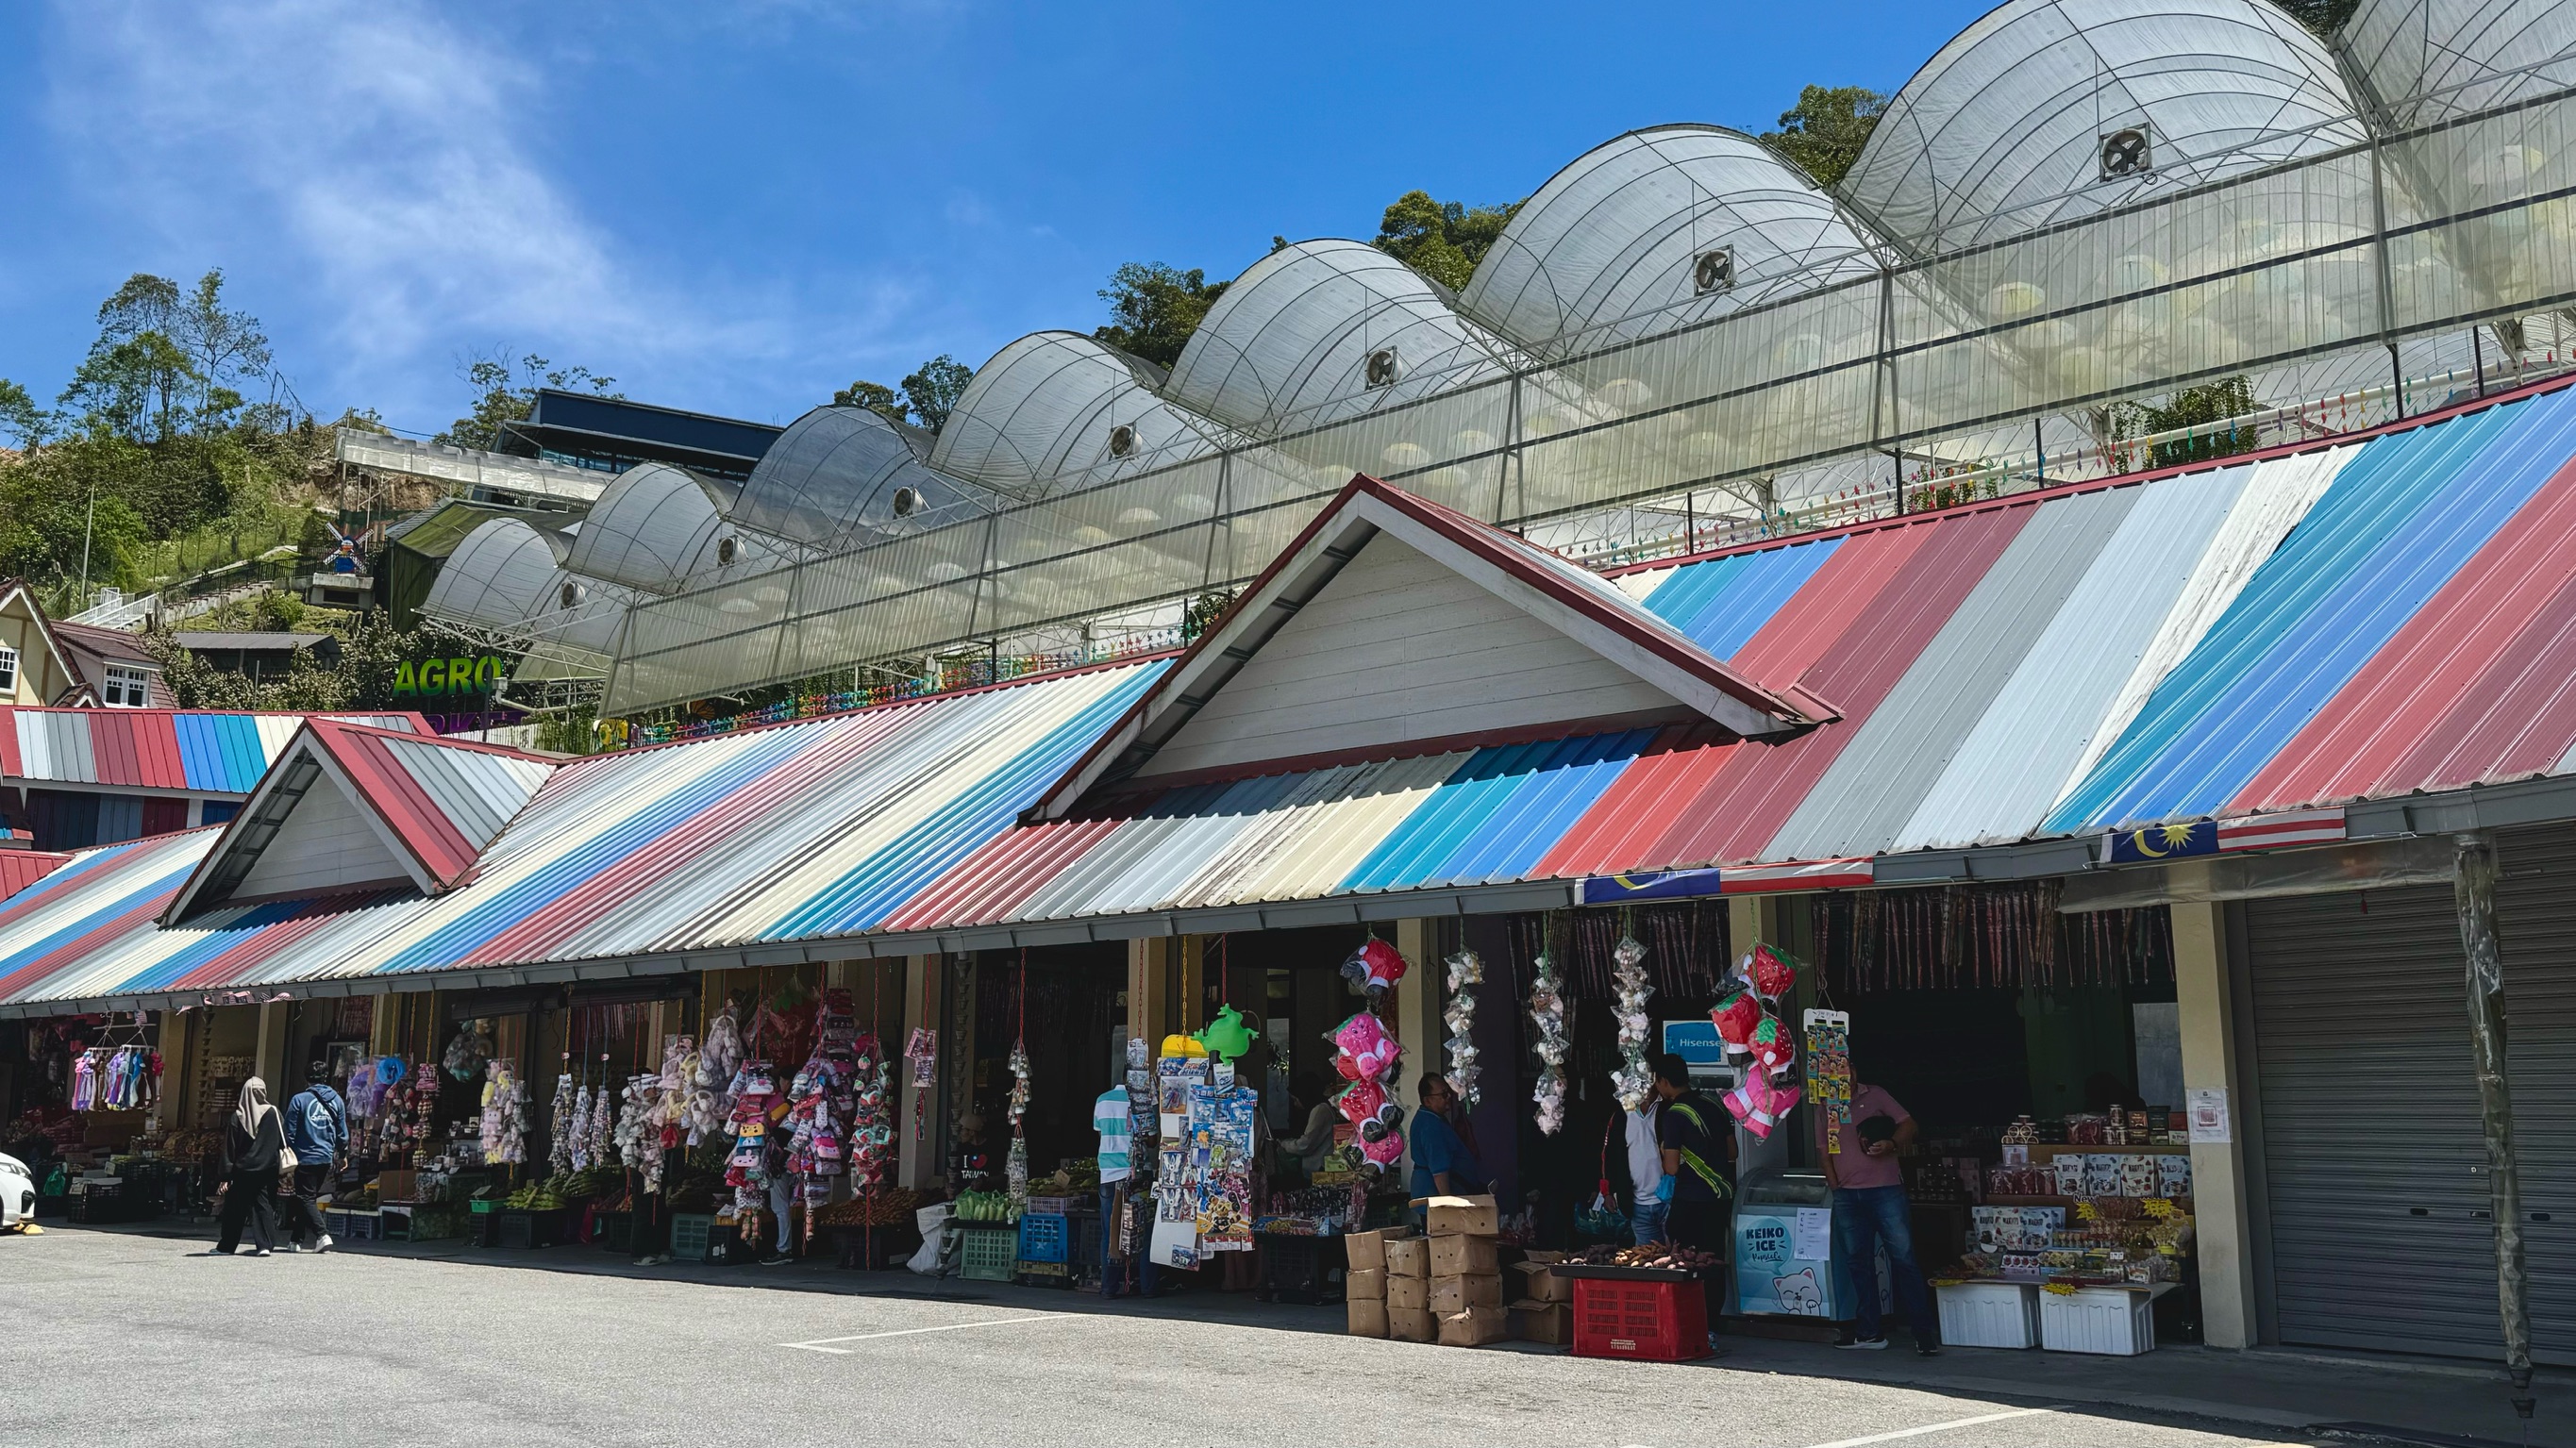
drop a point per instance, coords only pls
(1446, 1287)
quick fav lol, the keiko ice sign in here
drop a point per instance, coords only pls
(449, 678)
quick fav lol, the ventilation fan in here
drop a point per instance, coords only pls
(907, 501)
(2127, 152)
(1713, 271)
(726, 548)
(1382, 367)
(1122, 440)
(570, 594)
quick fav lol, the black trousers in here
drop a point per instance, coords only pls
(306, 1226)
(251, 1196)
(1705, 1225)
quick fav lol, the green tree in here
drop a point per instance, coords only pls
(876, 397)
(932, 390)
(2221, 401)
(1153, 309)
(2323, 18)
(21, 418)
(504, 395)
(1443, 240)
(1823, 133)
(929, 393)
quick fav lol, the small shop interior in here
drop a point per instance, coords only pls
(2039, 1052)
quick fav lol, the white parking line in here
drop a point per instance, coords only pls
(1934, 1428)
(823, 1344)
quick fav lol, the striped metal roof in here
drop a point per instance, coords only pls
(2287, 634)
(202, 751)
(797, 831)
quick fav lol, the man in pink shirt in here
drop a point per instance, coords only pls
(1870, 1209)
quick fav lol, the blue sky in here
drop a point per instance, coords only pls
(741, 207)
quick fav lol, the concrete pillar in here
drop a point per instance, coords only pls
(268, 1055)
(2224, 1227)
(916, 1132)
(1149, 1002)
(1416, 1009)
(1754, 917)
(174, 1110)
(384, 1036)
(1191, 997)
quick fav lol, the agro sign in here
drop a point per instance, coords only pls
(435, 678)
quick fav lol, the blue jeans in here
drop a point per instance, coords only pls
(1646, 1219)
(1864, 1218)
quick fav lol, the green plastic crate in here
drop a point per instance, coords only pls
(690, 1232)
(987, 1252)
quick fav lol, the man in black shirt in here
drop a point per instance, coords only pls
(1698, 1139)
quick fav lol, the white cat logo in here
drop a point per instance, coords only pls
(1800, 1294)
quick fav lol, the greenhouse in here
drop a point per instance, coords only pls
(2072, 212)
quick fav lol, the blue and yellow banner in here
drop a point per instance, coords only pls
(2158, 843)
(1649, 885)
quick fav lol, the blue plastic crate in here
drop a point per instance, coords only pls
(1044, 1237)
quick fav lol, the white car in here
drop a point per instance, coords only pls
(17, 1193)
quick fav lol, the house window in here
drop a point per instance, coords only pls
(8, 671)
(127, 687)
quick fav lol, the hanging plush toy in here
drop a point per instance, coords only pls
(1016, 1168)
(1735, 1017)
(559, 1126)
(1366, 1055)
(1367, 1051)
(1547, 1020)
(1362, 1102)
(1466, 972)
(1771, 1047)
(1772, 973)
(1374, 968)
(1227, 1036)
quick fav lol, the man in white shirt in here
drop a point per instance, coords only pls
(1650, 1203)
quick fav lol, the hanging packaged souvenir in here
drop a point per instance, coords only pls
(1547, 1021)
(1634, 1081)
(1466, 972)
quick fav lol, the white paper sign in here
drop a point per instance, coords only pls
(1813, 1241)
(2208, 1115)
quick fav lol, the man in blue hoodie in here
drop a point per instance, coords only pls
(317, 1130)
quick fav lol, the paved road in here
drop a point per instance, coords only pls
(120, 1339)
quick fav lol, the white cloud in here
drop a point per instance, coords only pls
(381, 151)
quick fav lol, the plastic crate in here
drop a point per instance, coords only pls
(690, 1233)
(99, 1203)
(613, 1231)
(1051, 1206)
(364, 1226)
(2113, 1321)
(483, 1229)
(987, 1251)
(1303, 1270)
(534, 1229)
(1044, 1238)
(874, 1249)
(1989, 1314)
(1657, 1321)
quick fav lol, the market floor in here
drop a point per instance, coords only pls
(122, 1337)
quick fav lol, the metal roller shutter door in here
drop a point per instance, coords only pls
(2536, 919)
(2374, 1164)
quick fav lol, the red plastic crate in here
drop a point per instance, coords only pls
(1657, 1321)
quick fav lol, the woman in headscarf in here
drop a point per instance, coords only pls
(253, 1140)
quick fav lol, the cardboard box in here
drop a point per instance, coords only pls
(1367, 1250)
(1460, 1216)
(397, 1186)
(1457, 1294)
(1366, 1285)
(1543, 1322)
(1474, 1327)
(1538, 1254)
(1538, 1282)
(1368, 1318)
(1408, 1293)
(1412, 1324)
(1455, 1256)
(1409, 1257)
